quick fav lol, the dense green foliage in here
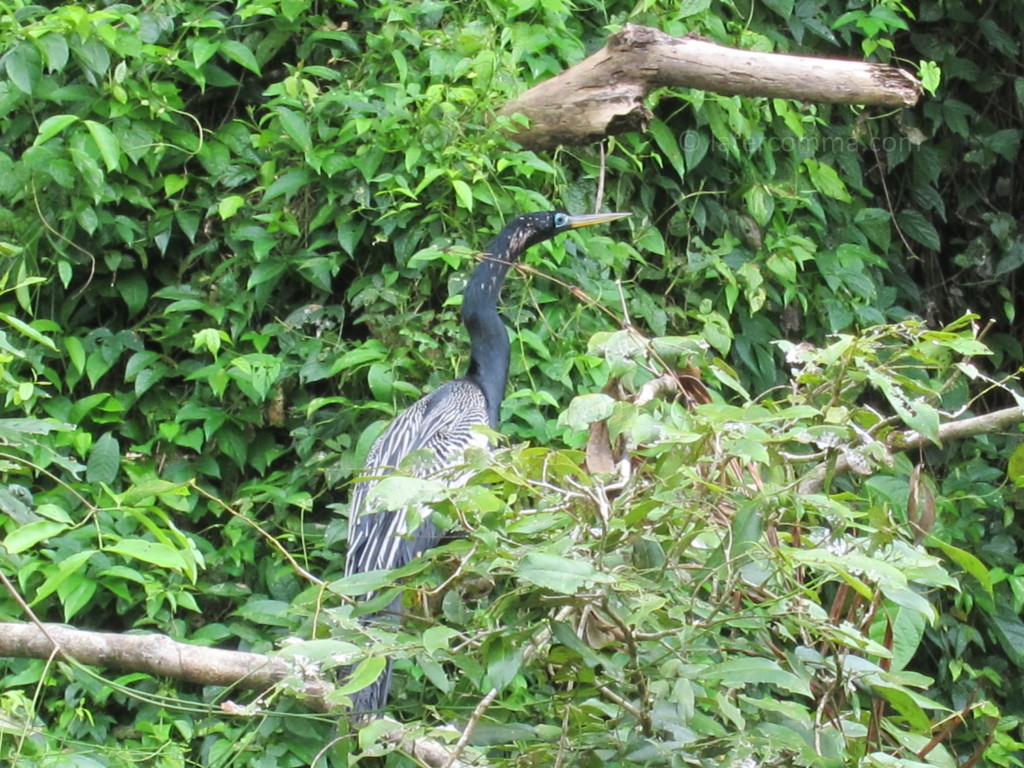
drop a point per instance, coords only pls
(232, 242)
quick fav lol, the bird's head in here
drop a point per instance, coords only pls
(532, 228)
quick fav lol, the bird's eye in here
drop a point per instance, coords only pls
(561, 220)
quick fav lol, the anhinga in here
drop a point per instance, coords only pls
(442, 422)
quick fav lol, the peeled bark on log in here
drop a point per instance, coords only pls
(604, 94)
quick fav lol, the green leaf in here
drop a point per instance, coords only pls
(919, 229)
(27, 536)
(437, 638)
(55, 50)
(160, 555)
(398, 492)
(76, 352)
(240, 54)
(668, 143)
(364, 675)
(24, 66)
(174, 183)
(691, 8)
(53, 126)
(230, 205)
(906, 704)
(826, 180)
(751, 671)
(28, 331)
(966, 560)
(361, 583)
(1009, 631)
(584, 410)
(66, 568)
(503, 663)
(463, 193)
(104, 462)
(135, 291)
(106, 141)
(317, 650)
(296, 127)
(559, 574)
(287, 185)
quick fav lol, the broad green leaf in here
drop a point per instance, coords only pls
(104, 461)
(24, 66)
(270, 613)
(906, 703)
(1009, 630)
(160, 555)
(134, 289)
(398, 491)
(907, 631)
(692, 7)
(584, 410)
(754, 670)
(55, 50)
(559, 574)
(240, 54)
(826, 180)
(364, 675)
(53, 126)
(361, 583)
(65, 569)
(503, 663)
(75, 593)
(230, 205)
(668, 143)
(296, 127)
(463, 193)
(27, 536)
(174, 183)
(437, 638)
(28, 330)
(106, 141)
(318, 650)
(966, 560)
(919, 229)
(287, 185)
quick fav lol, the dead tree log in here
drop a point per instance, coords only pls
(157, 655)
(161, 656)
(604, 94)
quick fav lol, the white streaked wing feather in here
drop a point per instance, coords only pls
(441, 422)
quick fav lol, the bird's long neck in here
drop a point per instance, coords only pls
(488, 338)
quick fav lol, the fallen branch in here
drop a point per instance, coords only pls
(161, 656)
(908, 440)
(157, 655)
(605, 93)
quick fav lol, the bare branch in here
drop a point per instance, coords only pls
(908, 440)
(160, 655)
(604, 94)
(157, 655)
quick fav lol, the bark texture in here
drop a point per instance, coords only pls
(604, 94)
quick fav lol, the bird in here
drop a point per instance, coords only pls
(442, 424)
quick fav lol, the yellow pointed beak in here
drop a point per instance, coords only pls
(589, 219)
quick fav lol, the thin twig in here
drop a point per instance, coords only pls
(474, 721)
(273, 542)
